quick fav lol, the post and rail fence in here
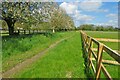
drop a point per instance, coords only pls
(98, 56)
(32, 31)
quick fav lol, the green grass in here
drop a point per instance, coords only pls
(18, 48)
(63, 61)
(0, 55)
(112, 69)
(103, 34)
(112, 45)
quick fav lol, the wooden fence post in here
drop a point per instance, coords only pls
(18, 31)
(24, 31)
(29, 31)
(89, 52)
(83, 39)
(99, 61)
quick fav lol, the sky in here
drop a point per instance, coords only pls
(91, 12)
(98, 12)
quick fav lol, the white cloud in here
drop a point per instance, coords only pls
(69, 7)
(75, 13)
(90, 5)
(83, 17)
(75, 9)
(102, 10)
(112, 16)
(113, 19)
(113, 23)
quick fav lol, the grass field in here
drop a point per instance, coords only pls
(112, 69)
(103, 34)
(17, 49)
(112, 45)
(63, 61)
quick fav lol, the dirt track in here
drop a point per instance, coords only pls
(27, 62)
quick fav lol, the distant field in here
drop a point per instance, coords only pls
(107, 35)
(103, 34)
(112, 45)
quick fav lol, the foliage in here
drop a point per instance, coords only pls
(86, 27)
(42, 25)
(14, 11)
(97, 28)
(31, 13)
(60, 20)
(4, 24)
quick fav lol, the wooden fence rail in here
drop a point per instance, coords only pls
(31, 31)
(26, 31)
(98, 56)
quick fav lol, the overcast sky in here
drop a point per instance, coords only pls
(91, 12)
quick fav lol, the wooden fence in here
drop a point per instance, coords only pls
(32, 31)
(97, 56)
(6, 32)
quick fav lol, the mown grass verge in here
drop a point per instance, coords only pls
(63, 61)
(18, 48)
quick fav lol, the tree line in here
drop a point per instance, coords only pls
(34, 15)
(93, 27)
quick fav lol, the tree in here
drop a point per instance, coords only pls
(15, 11)
(27, 12)
(86, 27)
(60, 20)
(110, 28)
(4, 24)
(100, 28)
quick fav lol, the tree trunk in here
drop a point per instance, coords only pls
(11, 30)
(10, 24)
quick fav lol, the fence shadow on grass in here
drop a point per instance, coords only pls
(87, 70)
